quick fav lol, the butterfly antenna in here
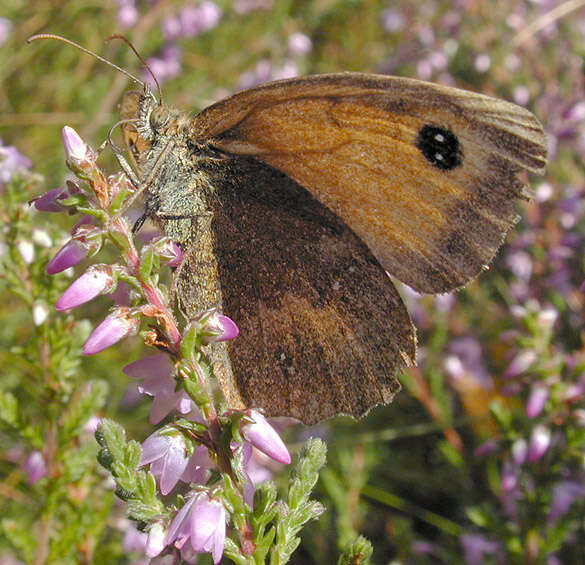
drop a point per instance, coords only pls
(140, 58)
(85, 50)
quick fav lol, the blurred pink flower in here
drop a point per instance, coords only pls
(35, 467)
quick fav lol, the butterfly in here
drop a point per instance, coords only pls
(293, 201)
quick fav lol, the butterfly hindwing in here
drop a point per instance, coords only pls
(323, 329)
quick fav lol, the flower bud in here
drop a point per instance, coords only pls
(35, 466)
(256, 429)
(539, 443)
(170, 251)
(73, 252)
(75, 148)
(49, 202)
(536, 400)
(220, 328)
(98, 279)
(155, 541)
(118, 325)
(26, 250)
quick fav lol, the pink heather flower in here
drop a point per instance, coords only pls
(170, 251)
(564, 494)
(264, 437)
(122, 295)
(92, 424)
(35, 467)
(198, 467)
(5, 30)
(75, 148)
(482, 63)
(202, 522)
(167, 454)
(539, 443)
(118, 325)
(127, 13)
(96, 280)
(476, 548)
(84, 225)
(133, 540)
(510, 476)
(393, 20)
(166, 65)
(289, 69)
(73, 252)
(11, 162)
(519, 451)
(49, 202)
(220, 328)
(171, 27)
(487, 448)
(197, 19)
(254, 470)
(156, 371)
(299, 44)
(536, 400)
(575, 391)
(420, 547)
(521, 363)
(155, 542)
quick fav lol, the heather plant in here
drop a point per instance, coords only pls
(481, 457)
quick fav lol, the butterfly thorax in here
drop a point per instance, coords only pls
(168, 163)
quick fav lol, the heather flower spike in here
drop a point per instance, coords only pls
(256, 429)
(118, 325)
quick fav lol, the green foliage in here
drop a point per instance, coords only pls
(300, 509)
(357, 553)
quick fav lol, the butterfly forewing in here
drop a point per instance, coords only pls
(357, 142)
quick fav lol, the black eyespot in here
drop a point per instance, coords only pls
(440, 147)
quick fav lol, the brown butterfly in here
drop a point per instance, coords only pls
(291, 200)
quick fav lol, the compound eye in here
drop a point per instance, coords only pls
(159, 117)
